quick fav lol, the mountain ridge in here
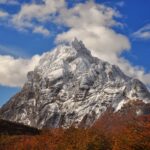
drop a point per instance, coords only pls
(70, 86)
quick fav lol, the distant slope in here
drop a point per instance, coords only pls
(13, 128)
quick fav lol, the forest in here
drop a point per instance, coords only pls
(111, 132)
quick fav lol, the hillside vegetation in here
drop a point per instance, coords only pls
(111, 132)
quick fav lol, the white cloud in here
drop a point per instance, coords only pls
(95, 31)
(42, 13)
(13, 71)
(92, 23)
(90, 13)
(143, 33)
(133, 71)
(102, 41)
(41, 30)
(9, 2)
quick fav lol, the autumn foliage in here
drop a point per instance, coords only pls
(111, 132)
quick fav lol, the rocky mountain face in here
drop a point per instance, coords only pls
(71, 87)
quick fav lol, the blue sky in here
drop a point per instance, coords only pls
(32, 27)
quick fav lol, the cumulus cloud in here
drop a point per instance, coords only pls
(102, 41)
(13, 71)
(143, 33)
(92, 23)
(96, 31)
(133, 71)
(41, 30)
(90, 13)
(43, 12)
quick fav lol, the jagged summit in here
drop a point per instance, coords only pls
(65, 59)
(71, 87)
(79, 46)
(67, 52)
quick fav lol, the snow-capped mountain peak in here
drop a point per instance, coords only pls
(70, 87)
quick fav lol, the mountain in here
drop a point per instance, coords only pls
(71, 87)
